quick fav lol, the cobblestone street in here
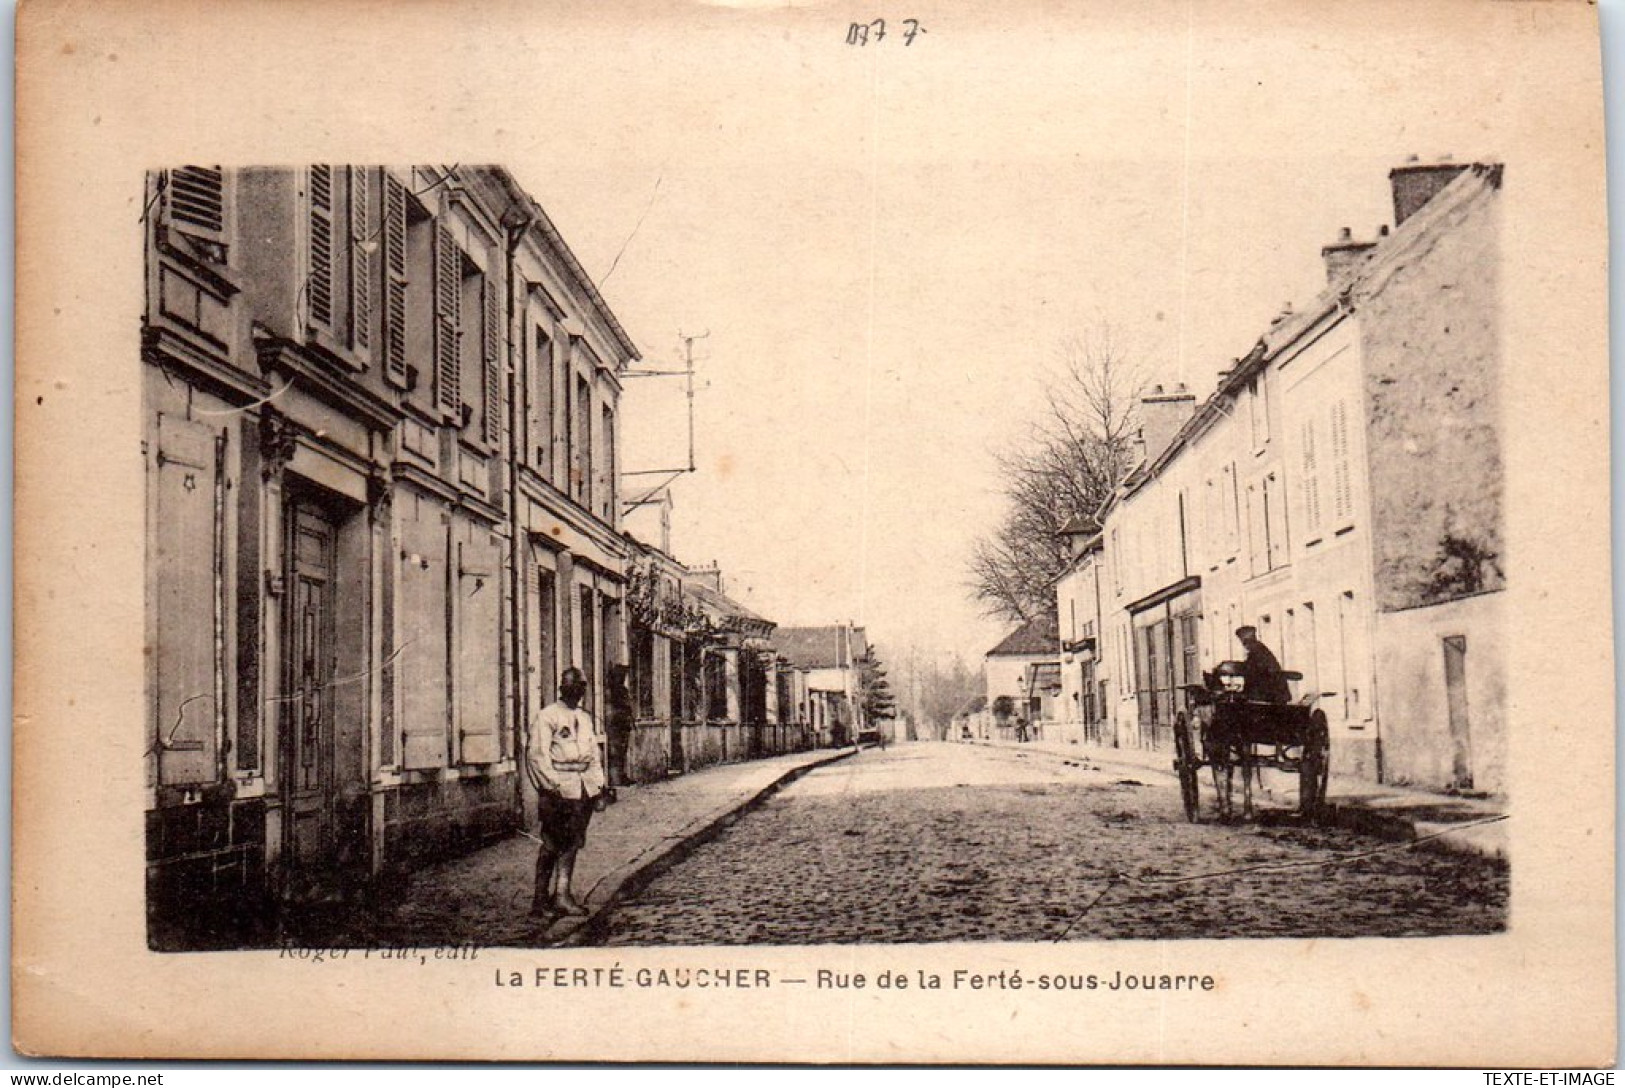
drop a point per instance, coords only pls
(944, 842)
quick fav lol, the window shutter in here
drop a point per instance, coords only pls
(479, 651)
(197, 203)
(1275, 521)
(448, 283)
(1311, 479)
(320, 283)
(492, 340)
(186, 611)
(361, 230)
(394, 247)
(421, 630)
(1343, 497)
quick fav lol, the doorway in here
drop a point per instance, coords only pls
(309, 661)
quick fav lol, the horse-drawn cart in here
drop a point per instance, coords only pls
(1222, 729)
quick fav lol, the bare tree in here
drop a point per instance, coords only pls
(946, 692)
(1064, 469)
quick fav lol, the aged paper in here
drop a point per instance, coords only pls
(862, 141)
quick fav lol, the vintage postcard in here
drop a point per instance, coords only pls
(792, 532)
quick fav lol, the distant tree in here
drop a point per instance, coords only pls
(1064, 467)
(946, 692)
(1003, 707)
(874, 690)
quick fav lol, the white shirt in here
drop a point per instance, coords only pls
(562, 753)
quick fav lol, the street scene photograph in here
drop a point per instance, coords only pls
(434, 663)
(759, 532)
(872, 509)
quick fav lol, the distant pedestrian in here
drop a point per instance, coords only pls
(565, 767)
(619, 719)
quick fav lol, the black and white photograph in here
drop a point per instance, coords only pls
(934, 513)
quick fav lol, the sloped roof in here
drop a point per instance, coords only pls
(722, 603)
(833, 647)
(1040, 635)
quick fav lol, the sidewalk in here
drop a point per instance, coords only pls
(1434, 820)
(483, 898)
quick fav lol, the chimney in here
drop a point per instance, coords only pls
(1162, 413)
(1416, 183)
(1343, 255)
(710, 574)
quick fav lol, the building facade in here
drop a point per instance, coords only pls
(825, 664)
(706, 678)
(381, 428)
(1025, 669)
(1341, 491)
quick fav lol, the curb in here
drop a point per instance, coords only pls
(640, 871)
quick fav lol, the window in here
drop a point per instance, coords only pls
(716, 687)
(1117, 562)
(606, 437)
(1259, 410)
(581, 469)
(338, 283)
(540, 403)
(1232, 509)
(1257, 539)
(478, 336)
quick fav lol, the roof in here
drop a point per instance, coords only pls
(541, 228)
(1039, 635)
(722, 603)
(1079, 524)
(833, 647)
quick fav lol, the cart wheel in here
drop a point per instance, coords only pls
(1316, 766)
(1185, 764)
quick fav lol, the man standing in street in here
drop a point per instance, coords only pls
(563, 760)
(1262, 680)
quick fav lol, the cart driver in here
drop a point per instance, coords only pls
(1261, 673)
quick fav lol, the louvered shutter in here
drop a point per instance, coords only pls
(448, 283)
(1311, 479)
(320, 284)
(197, 203)
(394, 247)
(491, 342)
(361, 230)
(1343, 494)
(186, 610)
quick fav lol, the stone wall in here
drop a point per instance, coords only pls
(1430, 334)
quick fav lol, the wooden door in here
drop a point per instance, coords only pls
(308, 650)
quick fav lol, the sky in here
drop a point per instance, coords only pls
(886, 244)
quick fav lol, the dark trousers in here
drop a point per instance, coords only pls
(561, 824)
